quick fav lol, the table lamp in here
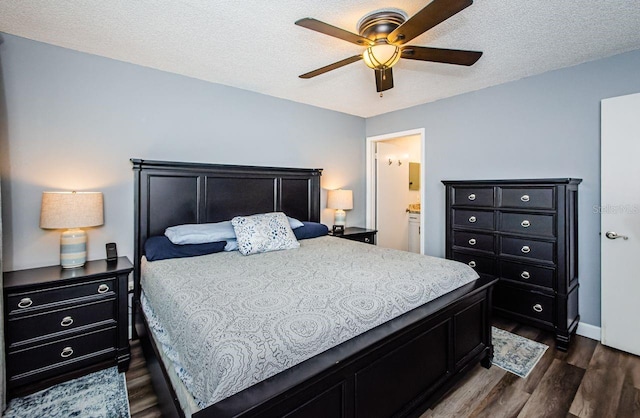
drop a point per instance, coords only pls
(72, 211)
(340, 200)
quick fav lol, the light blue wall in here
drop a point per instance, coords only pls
(539, 127)
(75, 120)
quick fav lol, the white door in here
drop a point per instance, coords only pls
(392, 194)
(620, 222)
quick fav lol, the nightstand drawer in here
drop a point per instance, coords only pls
(28, 301)
(61, 352)
(42, 325)
(366, 238)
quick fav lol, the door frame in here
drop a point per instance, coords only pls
(371, 176)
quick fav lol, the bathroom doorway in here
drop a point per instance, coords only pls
(395, 189)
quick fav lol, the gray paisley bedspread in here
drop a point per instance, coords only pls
(235, 320)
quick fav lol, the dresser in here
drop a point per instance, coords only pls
(62, 323)
(525, 233)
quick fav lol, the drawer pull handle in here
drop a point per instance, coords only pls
(66, 352)
(367, 239)
(525, 223)
(472, 197)
(472, 241)
(525, 249)
(472, 263)
(525, 275)
(472, 219)
(537, 307)
(103, 288)
(25, 303)
(66, 321)
(525, 198)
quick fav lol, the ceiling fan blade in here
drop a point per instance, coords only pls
(447, 56)
(327, 29)
(384, 79)
(434, 13)
(333, 66)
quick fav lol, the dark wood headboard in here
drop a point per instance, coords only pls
(173, 193)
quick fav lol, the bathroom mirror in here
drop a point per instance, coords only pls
(414, 176)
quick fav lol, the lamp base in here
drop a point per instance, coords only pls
(73, 248)
(340, 217)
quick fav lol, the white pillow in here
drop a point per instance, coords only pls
(263, 233)
(200, 233)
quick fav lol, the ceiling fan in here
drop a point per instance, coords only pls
(385, 33)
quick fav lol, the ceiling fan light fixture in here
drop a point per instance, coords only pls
(381, 56)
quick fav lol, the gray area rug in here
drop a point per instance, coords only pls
(514, 353)
(99, 394)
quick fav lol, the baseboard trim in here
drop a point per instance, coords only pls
(589, 331)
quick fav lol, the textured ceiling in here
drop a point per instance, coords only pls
(254, 44)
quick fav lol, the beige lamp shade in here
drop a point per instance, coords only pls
(340, 199)
(71, 210)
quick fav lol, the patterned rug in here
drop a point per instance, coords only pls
(101, 394)
(514, 353)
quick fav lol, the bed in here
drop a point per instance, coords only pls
(396, 367)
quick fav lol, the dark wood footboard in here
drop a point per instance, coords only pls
(397, 369)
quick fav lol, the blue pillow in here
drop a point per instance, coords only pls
(200, 233)
(161, 248)
(310, 230)
(210, 232)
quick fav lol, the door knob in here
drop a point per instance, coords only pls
(614, 235)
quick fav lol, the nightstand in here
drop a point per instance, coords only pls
(63, 323)
(357, 234)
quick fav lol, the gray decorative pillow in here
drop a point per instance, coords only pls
(263, 233)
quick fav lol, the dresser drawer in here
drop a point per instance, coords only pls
(525, 273)
(28, 301)
(473, 196)
(528, 248)
(25, 328)
(530, 303)
(527, 224)
(475, 219)
(61, 352)
(474, 240)
(481, 264)
(527, 197)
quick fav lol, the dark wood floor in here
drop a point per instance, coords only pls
(590, 380)
(142, 399)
